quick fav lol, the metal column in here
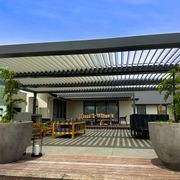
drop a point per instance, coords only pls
(134, 110)
(34, 102)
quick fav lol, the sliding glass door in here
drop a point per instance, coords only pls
(102, 107)
(112, 108)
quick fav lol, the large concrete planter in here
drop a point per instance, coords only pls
(14, 139)
(165, 138)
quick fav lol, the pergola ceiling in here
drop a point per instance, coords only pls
(109, 65)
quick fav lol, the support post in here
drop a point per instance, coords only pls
(134, 111)
(34, 102)
(174, 93)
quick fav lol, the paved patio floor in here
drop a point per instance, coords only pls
(97, 151)
(117, 138)
(105, 142)
(64, 161)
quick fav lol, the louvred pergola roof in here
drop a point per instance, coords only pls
(93, 66)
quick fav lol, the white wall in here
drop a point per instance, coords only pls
(21, 95)
(29, 100)
(50, 108)
(126, 109)
(74, 108)
(45, 105)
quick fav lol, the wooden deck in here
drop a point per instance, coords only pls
(120, 126)
(85, 167)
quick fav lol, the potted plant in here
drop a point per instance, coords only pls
(165, 136)
(15, 136)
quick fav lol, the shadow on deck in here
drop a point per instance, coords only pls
(117, 138)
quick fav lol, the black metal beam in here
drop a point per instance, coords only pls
(102, 90)
(100, 71)
(107, 98)
(100, 83)
(92, 46)
(34, 102)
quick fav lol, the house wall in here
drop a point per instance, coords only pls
(21, 95)
(29, 100)
(75, 107)
(125, 109)
(45, 105)
(50, 108)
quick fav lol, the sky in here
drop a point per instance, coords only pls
(30, 21)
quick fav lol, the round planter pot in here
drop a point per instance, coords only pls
(14, 139)
(165, 138)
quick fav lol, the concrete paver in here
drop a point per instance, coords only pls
(90, 151)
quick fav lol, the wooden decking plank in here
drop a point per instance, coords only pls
(88, 166)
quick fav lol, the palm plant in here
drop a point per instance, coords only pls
(171, 87)
(11, 88)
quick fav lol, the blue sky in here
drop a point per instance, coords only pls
(24, 21)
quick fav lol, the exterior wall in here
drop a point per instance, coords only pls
(45, 105)
(21, 95)
(74, 108)
(126, 109)
(42, 100)
(50, 108)
(29, 100)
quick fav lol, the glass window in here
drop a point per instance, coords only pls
(100, 107)
(141, 109)
(112, 108)
(89, 108)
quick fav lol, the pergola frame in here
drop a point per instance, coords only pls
(99, 72)
(92, 46)
(86, 47)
